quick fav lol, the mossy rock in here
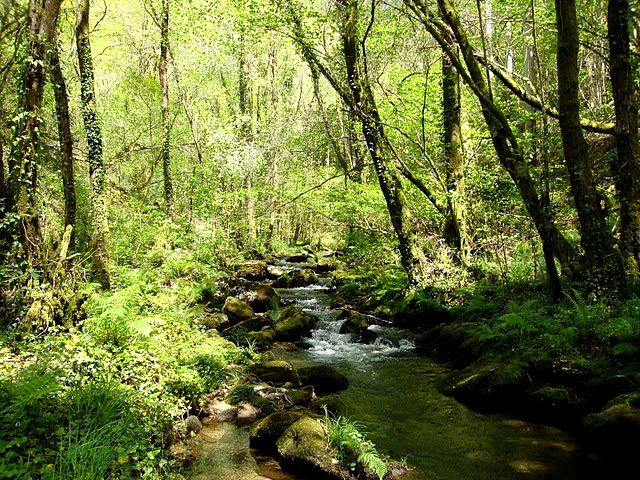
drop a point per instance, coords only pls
(300, 396)
(252, 270)
(253, 324)
(324, 378)
(217, 321)
(621, 413)
(237, 310)
(489, 387)
(261, 297)
(293, 323)
(245, 393)
(277, 372)
(303, 448)
(265, 432)
(355, 323)
(262, 339)
(296, 278)
(333, 404)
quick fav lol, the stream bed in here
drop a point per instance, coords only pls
(392, 394)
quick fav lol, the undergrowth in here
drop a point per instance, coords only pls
(103, 398)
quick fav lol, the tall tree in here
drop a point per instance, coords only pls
(625, 96)
(164, 84)
(65, 139)
(506, 145)
(245, 105)
(455, 222)
(597, 243)
(100, 234)
(22, 181)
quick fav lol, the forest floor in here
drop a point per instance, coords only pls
(106, 396)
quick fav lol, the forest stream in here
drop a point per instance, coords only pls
(392, 394)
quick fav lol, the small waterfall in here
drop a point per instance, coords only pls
(326, 339)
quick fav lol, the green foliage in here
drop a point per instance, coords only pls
(352, 447)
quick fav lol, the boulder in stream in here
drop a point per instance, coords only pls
(265, 432)
(355, 323)
(237, 310)
(261, 297)
(303, 447)
(277, 372)
(293, 323)
(332, 403)
(296, 278)
(324, 378)
(252, 270)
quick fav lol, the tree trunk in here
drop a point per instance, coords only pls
(164, 83)
(65, 139)
(364, 104)
(246, 133)
(274, 168)
(21, 185)
(454, 227)
(100, 236)
(627, 166)
(600, 258)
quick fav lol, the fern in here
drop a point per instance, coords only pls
(372, 460)
(352, 448)
(625, 349)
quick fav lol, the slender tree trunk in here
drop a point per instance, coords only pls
(274, 173)
(21, 185)
(164, 83)
(364, 104)
(65, 139)
(600, 258)
(627, 166)
(246, 113)
(100, 236)
(455, 226)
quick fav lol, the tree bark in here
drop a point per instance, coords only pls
(65, 139)
(164, 84)
(626, 168)
(455, 226)
(600, 258)
(22, 181)
(100, 236)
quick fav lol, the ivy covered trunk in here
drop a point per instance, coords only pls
(164, 84)
(626, 168)
(20, 212)
(601, 260)
(390, 183)
(454, 227)
(65, 139)
(100, 235)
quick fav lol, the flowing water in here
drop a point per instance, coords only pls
(392, 394)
